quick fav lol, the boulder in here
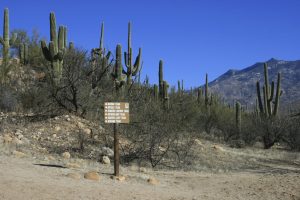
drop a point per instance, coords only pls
(19, 154)
(105, 160)
(92, 175)
(75, 176)
(153, 181)
(66, 155)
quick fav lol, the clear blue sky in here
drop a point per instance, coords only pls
(191, 36)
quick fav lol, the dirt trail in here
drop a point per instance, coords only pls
(21, 179)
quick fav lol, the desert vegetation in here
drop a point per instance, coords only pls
(58, 79)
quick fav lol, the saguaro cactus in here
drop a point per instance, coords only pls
(118, 76)
(238, 117)
(132, 69)
(155, 88)
(160, 78)
(199, 95)
(99, 55)
(179, 88)
(23, 54)
(206, 91)
(265, 106)
(166, 95)
(5, 40)
(55, 52)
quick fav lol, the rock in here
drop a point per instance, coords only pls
(75, 176)
(118, 178)
(20, 136)
(66, 155)
(19, 154)
(7, 139)
(18, 132)
(216, 147)
(92, 175)
(107, 152)
(72, 165)
(56, 118)
(80, 125)
(16, 141)
(25, 141)
(57, 128)
(143, 169)
(153, 181)
(87, 131)
(105, 160)
(54, 135)
(96, 137)
(68, 119)
(198, 142)
(50, 158)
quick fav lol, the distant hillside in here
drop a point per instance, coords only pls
(241, 84)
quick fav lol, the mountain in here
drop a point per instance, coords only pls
(241, 84)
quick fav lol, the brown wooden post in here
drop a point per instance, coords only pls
(116, 151)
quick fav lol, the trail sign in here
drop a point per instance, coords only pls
(116, 112)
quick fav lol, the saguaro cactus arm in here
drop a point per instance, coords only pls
(278, 94)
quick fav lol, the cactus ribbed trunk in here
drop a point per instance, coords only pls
(160, 78)
(238, 117)
(5, 41)
(206, 91)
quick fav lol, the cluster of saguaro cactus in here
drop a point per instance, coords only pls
(132, 69)
(265, 106)
(56, 49)
(23, 54)
(5, 40)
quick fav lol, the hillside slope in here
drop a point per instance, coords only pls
(241, 84)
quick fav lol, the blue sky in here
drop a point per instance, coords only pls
(193, 37)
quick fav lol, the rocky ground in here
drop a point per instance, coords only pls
(42, 158)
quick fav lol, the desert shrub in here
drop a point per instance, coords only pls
(271, 130)
(155, 135)
(292, 136)
(8, 98)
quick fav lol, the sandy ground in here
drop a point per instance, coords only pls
(20, 179)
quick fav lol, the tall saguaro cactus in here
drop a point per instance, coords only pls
(5, 40)
(166, 95)
(23, 54)
(55, 51)
(132, 69)
(265, 105)
(206, 91)
(238, 117)
(160, 78)
(99, 55)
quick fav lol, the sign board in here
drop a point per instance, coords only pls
(116, 112)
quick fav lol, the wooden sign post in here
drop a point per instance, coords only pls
(116, 113)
